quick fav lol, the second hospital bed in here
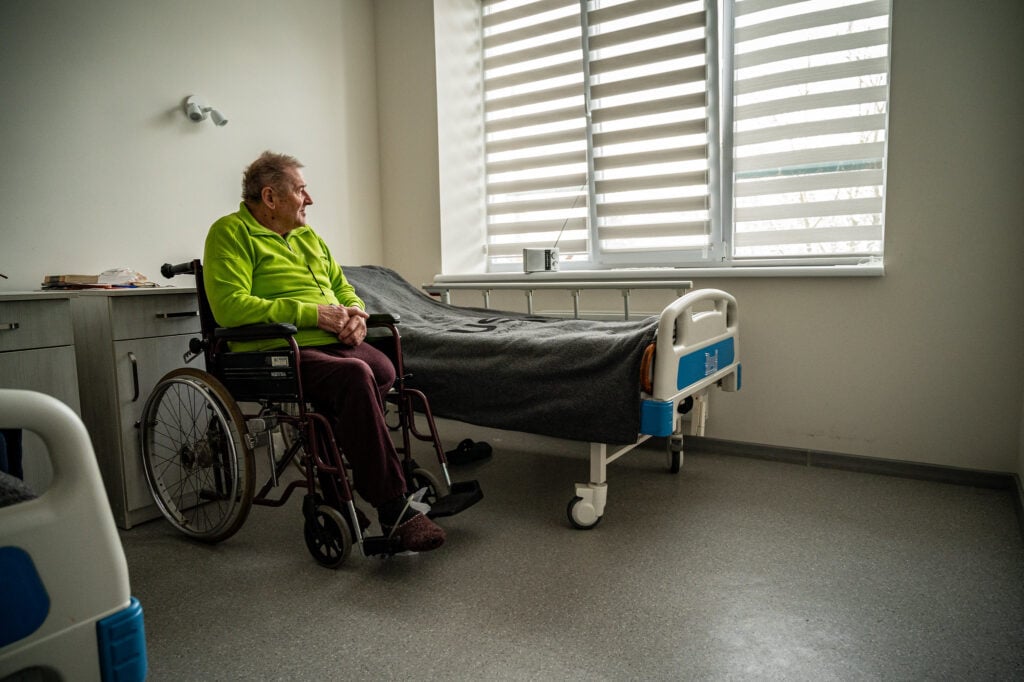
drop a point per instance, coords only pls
(612, 384)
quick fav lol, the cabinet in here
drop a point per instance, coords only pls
(125, 340)
(37, 353)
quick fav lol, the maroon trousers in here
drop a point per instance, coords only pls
(348, 385)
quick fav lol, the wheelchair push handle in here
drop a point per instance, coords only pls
(169, 271)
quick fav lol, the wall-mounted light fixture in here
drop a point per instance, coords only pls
(197, 110)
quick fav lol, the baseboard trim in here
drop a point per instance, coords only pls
(869, 465)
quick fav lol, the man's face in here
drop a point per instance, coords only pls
(292, 200)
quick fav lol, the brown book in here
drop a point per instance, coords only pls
(71, 279)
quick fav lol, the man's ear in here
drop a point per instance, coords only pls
(267, 195)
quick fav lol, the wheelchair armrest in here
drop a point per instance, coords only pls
(273, 330)
(382, 319)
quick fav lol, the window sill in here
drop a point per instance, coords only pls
(662, 276)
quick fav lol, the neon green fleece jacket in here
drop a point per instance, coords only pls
(254, 275)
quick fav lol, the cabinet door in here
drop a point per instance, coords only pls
(140, 364)
(50, 371)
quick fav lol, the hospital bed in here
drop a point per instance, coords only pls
(66, 612)
(612, 384)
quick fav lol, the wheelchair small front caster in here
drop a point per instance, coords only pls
(582, 514)
(420, 478)
(328, 537)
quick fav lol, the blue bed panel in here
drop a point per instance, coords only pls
(121, 638)
(24, 601)
(656, 417)
(704, 362)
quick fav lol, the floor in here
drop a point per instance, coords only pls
(733, 569)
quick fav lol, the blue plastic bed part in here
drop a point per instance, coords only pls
(121, 638)
(704, 362)
(24, 602)
(656, 417)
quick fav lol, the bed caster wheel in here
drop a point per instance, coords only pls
(675, 462)
(674, 449)
(328, 537)
(582, 515)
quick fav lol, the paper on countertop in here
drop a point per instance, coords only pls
(123, 277)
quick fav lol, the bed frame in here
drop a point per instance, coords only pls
(697, 349)
(66, 610)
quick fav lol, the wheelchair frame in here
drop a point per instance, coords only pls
(198, 443)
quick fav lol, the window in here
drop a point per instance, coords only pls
(635, 133)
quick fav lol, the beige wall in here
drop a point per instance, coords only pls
(102, 169)
(924, 364)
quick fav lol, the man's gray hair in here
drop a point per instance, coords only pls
(267, 171)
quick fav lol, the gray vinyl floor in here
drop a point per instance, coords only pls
(733, 569)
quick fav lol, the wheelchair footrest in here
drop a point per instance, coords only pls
(464, 495)
(380, 545)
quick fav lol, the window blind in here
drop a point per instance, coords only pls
(649, 102)
(656, 132)
(596, 128)
(535, 127)
(810, 87)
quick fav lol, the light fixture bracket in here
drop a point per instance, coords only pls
(197, 109)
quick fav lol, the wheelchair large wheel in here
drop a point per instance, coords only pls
(199, 468)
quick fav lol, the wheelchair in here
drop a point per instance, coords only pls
(200, 430)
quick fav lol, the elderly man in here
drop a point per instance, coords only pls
(265, 264)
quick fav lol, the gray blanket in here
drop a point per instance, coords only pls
(575, 379)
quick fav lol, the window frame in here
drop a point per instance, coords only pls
(719, 259)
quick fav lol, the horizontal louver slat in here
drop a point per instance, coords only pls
(659, 106)
(857, 124)
(560, 115)
(819, 235)
(657, 156)
(538, 162)
(809, 183)
(659, 80)
(812, 209)
(535, 227)
(651, 182)
(537, 184)
(654, 230)
(528, 141)
(653, 132)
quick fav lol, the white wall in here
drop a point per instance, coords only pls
(103, 170)
(409, 190)
(101, 167)
(924, 364)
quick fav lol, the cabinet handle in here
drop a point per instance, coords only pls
(8, 326)
(188, 313)
(135, 375)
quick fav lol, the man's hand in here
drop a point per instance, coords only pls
(348, 324)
